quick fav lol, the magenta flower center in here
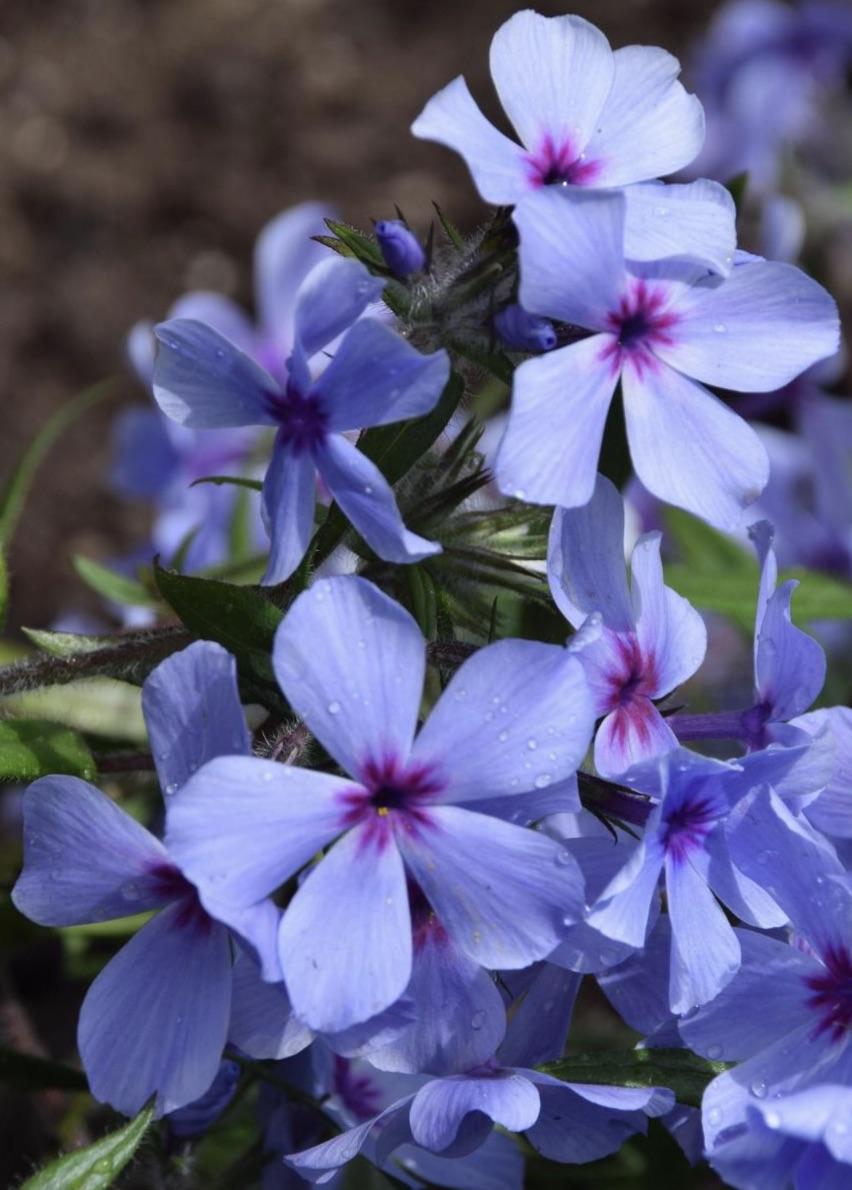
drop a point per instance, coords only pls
(832, 993)
(302, 420)
(169, 883)
(642, 322)
(557, 163)
(393, 795)
(633, 676)
(686, 826)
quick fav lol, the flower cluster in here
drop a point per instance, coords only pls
(385, 899)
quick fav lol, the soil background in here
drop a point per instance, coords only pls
(143, 143)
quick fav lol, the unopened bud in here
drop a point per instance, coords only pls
(522, 331)
(400, 247)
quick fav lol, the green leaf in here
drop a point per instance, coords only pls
(99, 706)
(17, 488)
(242, 619)
(682, 1072)
(362, 246)
(737, 187)
(450, 230)
(68, 644)
(240, 481)
(117, 587)
(98, 1165)
(25, 1072)
(31, 748)
(706, 549)
(4, 588)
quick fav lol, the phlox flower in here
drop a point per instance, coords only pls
(659, 329)
(156, 1018)
(786, 1016)
(586, 117)
(155, 459)
(652, 639)
(514, 719)
(204, 381)
(686, 845)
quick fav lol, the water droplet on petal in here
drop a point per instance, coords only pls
(170, 789)
(478, 1019)
(714, 1116)
(714, 1051)
(758, 1088)
(503, 736)
(542, 781)
(333, 708)
(772, 1119)
(368, 491)
(532, 744)
(720, 328)
(563, 857)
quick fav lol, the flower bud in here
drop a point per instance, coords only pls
(400, 247)
(522, 331)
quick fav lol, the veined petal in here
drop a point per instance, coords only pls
(560, 401)
(192, 711)
(203, 381)
(284, 254)
(452, 118)
(333, 294)
(440, 1108)
(540, 1016)
(242, 826)
(585, 560)
(321, 1163)
(623, 909)
(367, 499)
(351, 662)
(631, 734)
(789, 669)
(289, 497)
(689, 449)
(514, 718)
(650, 126)
(705, 949)
(553, 75)
(471, 1021)
(345, 938)
(143, 461)
(572, 254)
(573, 1128)
(755, 331)
(155, 1020)
(85, 860)
(263, 1023)
(694, 222)
(503, 893)
(669, 629)
(219, 312)
(377, 377)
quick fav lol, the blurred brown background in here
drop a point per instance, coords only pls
(143, 143)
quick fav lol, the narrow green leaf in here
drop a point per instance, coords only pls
(25, 1072)
(682, 1072)
(31, 748)
(362, 246)
(68, 644)
(117, 587)
(17, 488)
(239, 481)
(99, 706)
(242, 619)
(450, 230)
(98, 1165)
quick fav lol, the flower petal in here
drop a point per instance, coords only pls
(540, 1016)
(573, 1129)
(514, 718)
(705, 949)
(440, 1108)
(377, 377)
(691, 450)
(351, 662)
(203, 381)
(585, 560)
(650, 126)
(156, 1018)
(284, 254)
(289, 499)
(550, 448)
(85, 860)
(333, 294)
(219, 312)
(755, 331)
(321, 1163)
(241, 826)
(144, 461)
(471, 1021)
(790, 666)
(623, 909)
(503, 893)
(669, 629)
(367, 499)
(694, 222)
(345, 938)
(192, 711)
(572, 254)
(631, 734)
(452, 118)
(553, 75)
(263, 1023)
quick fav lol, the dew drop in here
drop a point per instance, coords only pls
(569, 920)
(520, 493)
(714, 1116)
(478, 1019)
(532, 744)
(368, 491)
(714, 1051)
(772, 1119)
(461, 694)
(563, 857)
(170, 788)
(333, 708)
(503, 736)
(542, 781)
(130, 891)
(720, 328)
(758, 1088)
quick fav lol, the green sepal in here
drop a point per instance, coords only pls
(98, 1165)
